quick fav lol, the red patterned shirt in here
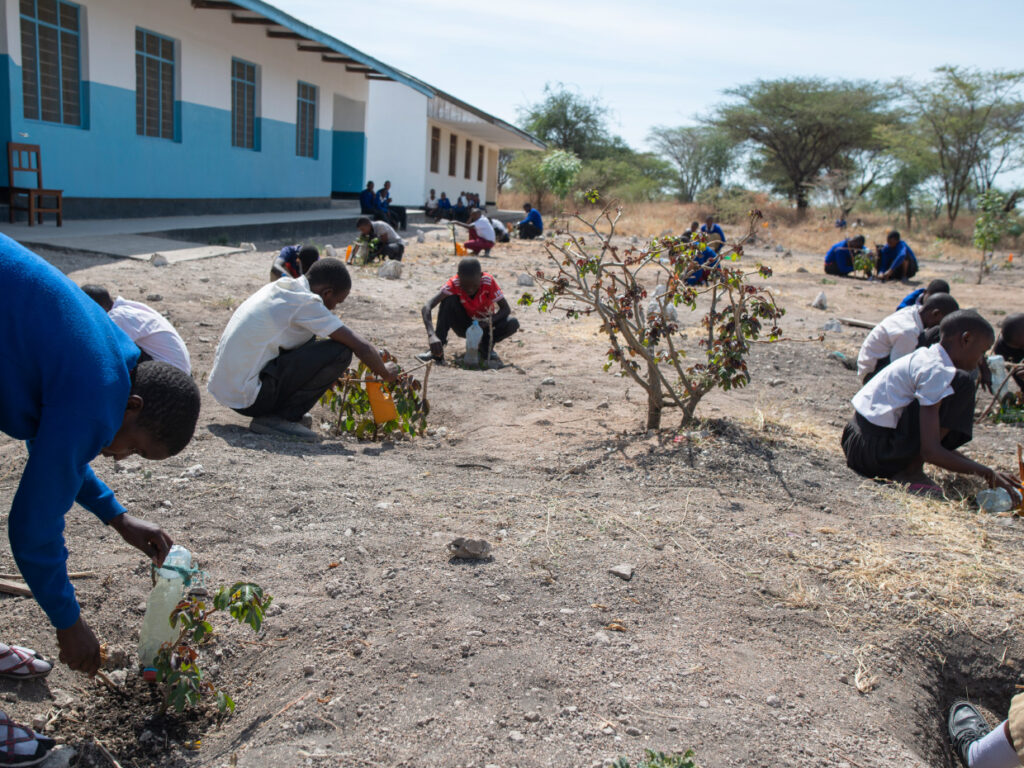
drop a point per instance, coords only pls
(482, 304)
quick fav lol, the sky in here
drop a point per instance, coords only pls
(661, 63)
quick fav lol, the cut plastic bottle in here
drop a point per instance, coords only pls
(166, 594)
(474, 335)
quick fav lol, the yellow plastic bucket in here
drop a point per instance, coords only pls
(460, 249)
(381, 403)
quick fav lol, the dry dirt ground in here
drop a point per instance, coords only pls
(783, 611)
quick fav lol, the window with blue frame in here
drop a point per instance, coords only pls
(50, 61)
(305, 121)
(154, 85)
(243, 104)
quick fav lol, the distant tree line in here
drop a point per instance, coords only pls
(913, 148)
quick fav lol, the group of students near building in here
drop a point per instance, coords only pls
(437, 208)
(378, 206)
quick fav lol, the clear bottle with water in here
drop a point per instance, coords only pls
(997, 500)
(166, 594)
(474, 335)
(997, 365)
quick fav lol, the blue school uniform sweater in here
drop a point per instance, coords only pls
(64, 383)
(368, 201)
(715, 233)
(382, 201)
(534, 218)
(840, 255)
(892, 257)
(910, 299)
(701, 275)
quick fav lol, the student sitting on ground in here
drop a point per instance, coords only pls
(395, 214)
(692, 232)
(921, 294)
(709, 260)
(900, 334)
(1010, 344)
(532, 226)
(920, 409)
(73, 388)
(430, 208)
(895, 260)
(444, 207)
(368, 205)
(839, 259)
(294, 261)
(716, 237)
(270, 365)
(461, 209)
(500, 231)
(977, 745)
(384, 241)
(151, 331)
(481, 233)
(471, 295)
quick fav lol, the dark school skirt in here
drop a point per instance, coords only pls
(874, 451)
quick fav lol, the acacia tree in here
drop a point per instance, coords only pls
(799, 127)
(591, 276)
(703, 156)
(567, 120)
(971, 123)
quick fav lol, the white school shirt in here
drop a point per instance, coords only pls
(281, 315)
(499, 226)
(484, 229)
(432, 204)
(151, 332)
(925, 375)
(894, 337)
(383, 228)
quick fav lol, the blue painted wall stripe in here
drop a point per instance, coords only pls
(108, 159)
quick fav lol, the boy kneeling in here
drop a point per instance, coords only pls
(471, 295)
(920, 409)
(270, 365)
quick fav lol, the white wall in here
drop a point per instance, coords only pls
(207, 41)
(452, 185)
(396, 140)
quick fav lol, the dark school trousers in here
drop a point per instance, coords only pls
(874, 451)
(294, 381)
(452, 316)
(390, 251)
(831, 268)
(398, 216)
(528, 231)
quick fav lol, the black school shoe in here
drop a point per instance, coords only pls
(966, 725)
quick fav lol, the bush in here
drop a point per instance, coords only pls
(654, 759)
(647, 341)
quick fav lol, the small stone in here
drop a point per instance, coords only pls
(516, 736)
(820, 301)
(158, 260)
(141, 607)
(39, 723)
(532, 717)
(252, 247)
(154, 297)
(442, 432)
(525, 280)
(548, 382)
(602, 638)
(567, 711)
(567, 403)
(118, 677)
(608, 730)
(624, 571)
(603, 405)
(308, 670)
(659, 545)
(196, 470)
(633, 731)
(801, 270)
(703, 703)
(773, 701)
(59, 757)
(349, 532)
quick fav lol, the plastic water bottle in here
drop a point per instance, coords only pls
(997, 365)
(474, 335)
(166, 594)
(996, 500)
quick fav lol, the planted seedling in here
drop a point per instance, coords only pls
(349, 401)
(178, 663)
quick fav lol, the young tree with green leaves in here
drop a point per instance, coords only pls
(565, 119)
(989, 228)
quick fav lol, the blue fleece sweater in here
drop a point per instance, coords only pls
(894, 256)
(911, 299)
(64, 383)
(841, 255)
(534, 218)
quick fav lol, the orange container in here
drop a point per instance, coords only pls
(460, 249)
(348, 255)
(381, 403)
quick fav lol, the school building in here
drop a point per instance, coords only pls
(161, 107)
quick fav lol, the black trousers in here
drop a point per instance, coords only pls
(391, 251)
(873, 451)
(528, 231)
(452, 316)
(294, 381)
(831, 268)
(397, 216)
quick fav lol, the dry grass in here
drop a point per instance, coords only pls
(815, 234)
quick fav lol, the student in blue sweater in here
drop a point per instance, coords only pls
(715, 235)
(73, 389)
(895, 260)
(533, 225)
(839, 259)
(920, 296)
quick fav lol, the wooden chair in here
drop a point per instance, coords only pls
(24, 158)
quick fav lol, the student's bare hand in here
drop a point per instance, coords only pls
(79, 648)
(985, 376)
(146, 537)
(391, 372)
(1001, 480)
(436, 347)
